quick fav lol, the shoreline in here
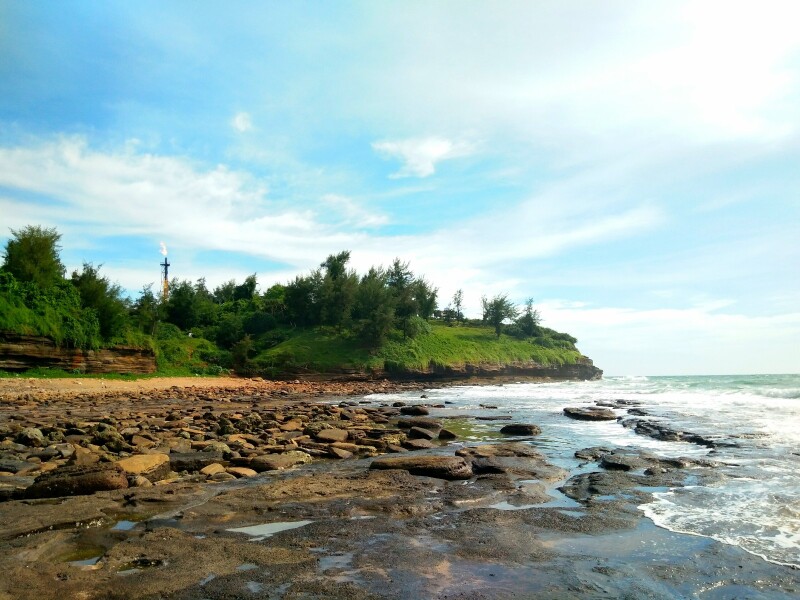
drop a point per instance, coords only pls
(517, 527)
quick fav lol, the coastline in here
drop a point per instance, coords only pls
(507, 531)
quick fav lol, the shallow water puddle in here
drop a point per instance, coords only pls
(265, 530)
(124, 525)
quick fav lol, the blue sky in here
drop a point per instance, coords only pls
(633, 167)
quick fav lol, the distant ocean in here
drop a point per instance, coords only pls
(755, 504)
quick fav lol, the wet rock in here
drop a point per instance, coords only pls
(590, 413)
(494, 418)
(424, 422)
(440, 467)
(32, 437)
(339, 453)
(108, 436)
(593, 453)
(78, 481)
(521, 429)
(16, 466)
(446, 434)
(154, 467)
(621, 461)
(420, 433)
(415, 410)
(139, 481)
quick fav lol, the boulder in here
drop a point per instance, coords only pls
(339, 453)
(418, 445)
(193, 461)
(521, 429)
(416, 410)
(594, 413)
(32, 437)
(446, 434)
(419, 433)
(332, 435)
(212, 469)
(152, 466)
(108, 436)
(78, 481)
(424, 422)
(278, 462)
(440, 467)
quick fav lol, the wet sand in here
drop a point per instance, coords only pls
(340, 529)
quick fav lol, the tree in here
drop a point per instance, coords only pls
(181, 307)
(458, 305)
(302, 299)
(399, 279)
(105, 298)
(425, 298)
(373, 310)
(246, 290)
(338, 291)
(497, 310)
(145, 311)
(32, 255)
(529, 321)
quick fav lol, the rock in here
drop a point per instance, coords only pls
(416, 410)
(277, 462)
(440, 467)
(193, 461)
(595, 413)
(32, 437)
(521, 429)
(139, 481)
(593, 453)
(424, 422)
(108, 436)
(218, 448)
(83, 457)
(241, 472)
(496, 418)
(78, 481)
(339, 453)
(152, 466)
(446, 434)
(621, 462)
(219, 477)
(212, 469)
(418, 445)
(332, 435)
(17, 466)
(421, 434)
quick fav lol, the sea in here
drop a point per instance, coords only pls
(754, 420)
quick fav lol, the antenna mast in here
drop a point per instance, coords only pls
(165, 284)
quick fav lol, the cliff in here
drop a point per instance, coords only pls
(21, 352)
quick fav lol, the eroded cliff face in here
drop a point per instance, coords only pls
(21, 352)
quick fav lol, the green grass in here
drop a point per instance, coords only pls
(322, 350)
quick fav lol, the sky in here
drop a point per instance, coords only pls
(634, 167)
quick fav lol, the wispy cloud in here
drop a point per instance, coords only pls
(419, 156)
(242, 122)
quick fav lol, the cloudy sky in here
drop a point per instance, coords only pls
(632, 166)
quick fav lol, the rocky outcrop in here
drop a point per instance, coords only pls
(22, 352)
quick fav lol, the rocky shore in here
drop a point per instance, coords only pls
(240, 489)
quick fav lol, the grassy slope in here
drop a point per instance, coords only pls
(324, 350)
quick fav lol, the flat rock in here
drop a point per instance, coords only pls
(440, 467)
(415, 410)
(420, 433)
(332, 435)
(241, 472)
(418, 444)
(595, 413)
(278, 462)
(78, 481)
(521, 429)
(212, 469)
(152, 466)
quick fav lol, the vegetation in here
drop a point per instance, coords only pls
(329, 319)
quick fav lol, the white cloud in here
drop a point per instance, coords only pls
(706, 338)
(353, 213)
(242, 122)
(420, 155)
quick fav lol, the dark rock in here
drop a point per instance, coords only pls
(495, 418)
(440, 467)
(108, 436)
(424, 422)
(593, 453)
(446, 434)
(416, 410)
(521, 429)
(590, 414)
(621, 461)
(78, 481)
(193, 461)
(16, 466)
(421, 434)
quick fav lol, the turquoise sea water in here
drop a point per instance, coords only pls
(755, 504)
